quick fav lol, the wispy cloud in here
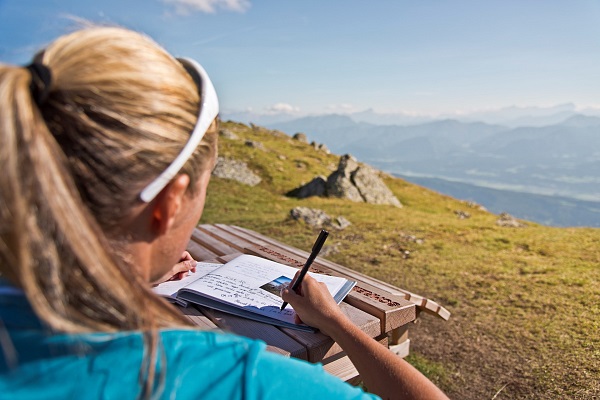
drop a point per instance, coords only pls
(185, 7)
(282, 108)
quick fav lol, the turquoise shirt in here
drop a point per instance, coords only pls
(36, 363)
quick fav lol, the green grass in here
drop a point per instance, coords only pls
(525, 302)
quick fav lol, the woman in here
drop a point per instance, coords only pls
(102, 184)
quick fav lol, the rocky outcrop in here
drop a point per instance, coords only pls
(320, 147)
(509, 221)
(254, 144)
(227, 134)
(340, 184)
(316, 187)
(359, 183)
(462, 214)
(301, 137)
(236, 170)
(318, 218)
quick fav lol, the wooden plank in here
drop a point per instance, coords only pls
(198, 252)
(341, 367)
(224, 236)
(398, 335)
(242, 234)
(443, 313)
(392, 311)
(320, 346)
(407, 295)
(216, 246)
(228, 257)
(199, 319)
(257, 330)
(402, 349)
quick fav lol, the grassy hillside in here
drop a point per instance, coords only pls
(525, 302)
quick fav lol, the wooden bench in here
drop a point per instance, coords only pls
(381, 310)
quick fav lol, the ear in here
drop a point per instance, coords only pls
(168, 204)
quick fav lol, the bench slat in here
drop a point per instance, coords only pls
(215, 245)
(198, 252)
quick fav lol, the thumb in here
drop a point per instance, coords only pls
(288, 295)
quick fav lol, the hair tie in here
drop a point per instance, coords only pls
(41, 79)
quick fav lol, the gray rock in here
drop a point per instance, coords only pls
(316, 187)
(254, 144)
(462, 214)
(342, 223)
(235, 170)
(340, 186)
(339, 183)
(316, 218)
(372, 188)
(301, 137)
(227, 134)
(472, 204)
(329, 250)
(509, 221)
(320, 147)
(311, 216)
(358, 183)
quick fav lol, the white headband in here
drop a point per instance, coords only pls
(209, 109)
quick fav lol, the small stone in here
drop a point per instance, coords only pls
(235, 170)
(509, 221)
(462, 214)
(227, 134)
(301, 137)
(254, 144)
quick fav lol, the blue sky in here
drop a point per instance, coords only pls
(315, 56)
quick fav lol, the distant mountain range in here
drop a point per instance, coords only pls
(511, 117)
(562, 159)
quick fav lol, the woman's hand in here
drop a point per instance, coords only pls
(180, 270)
(314, 305)
(382, 371)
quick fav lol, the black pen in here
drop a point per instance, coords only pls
(315, 251)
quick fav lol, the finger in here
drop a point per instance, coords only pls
(186, 256)
(288, 295)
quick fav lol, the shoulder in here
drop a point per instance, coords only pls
(300, 380)
(237, 367)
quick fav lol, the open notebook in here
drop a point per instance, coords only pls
(247, 286)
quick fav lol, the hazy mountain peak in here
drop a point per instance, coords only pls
(581, 121)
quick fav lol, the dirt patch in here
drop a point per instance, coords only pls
(484, 366)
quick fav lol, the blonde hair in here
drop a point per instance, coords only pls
(118, 111)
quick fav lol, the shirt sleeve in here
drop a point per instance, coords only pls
(272, 376)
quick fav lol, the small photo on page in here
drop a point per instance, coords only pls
(276, 285)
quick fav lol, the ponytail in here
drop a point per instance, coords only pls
(101, 112)
(50, 244)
